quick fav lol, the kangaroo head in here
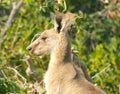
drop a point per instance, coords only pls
(48, 39)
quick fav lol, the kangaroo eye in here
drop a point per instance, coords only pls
(44, 38)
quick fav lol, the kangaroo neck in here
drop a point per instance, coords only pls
(62, 51)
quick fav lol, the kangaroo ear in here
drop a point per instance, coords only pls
(58, 22)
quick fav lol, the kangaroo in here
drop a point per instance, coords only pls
(61, 76)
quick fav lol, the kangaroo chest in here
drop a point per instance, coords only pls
(57, 79)
(53, 82)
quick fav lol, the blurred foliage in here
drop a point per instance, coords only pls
(97, 40)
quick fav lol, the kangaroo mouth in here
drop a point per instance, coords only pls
(41, 55)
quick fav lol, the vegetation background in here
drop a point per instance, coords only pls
(97, 40)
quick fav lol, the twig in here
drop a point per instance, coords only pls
(108, 8)
(39, 84)
(80, 65)
(16, 7)
(96, 75)
(24, 79)
(4, 74)
(30, 70)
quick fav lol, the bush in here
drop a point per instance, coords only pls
(97, 40)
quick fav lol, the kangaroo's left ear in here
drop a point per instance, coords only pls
(58, 22)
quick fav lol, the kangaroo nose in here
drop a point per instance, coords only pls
(29, 48)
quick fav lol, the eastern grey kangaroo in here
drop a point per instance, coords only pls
(61, 77)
